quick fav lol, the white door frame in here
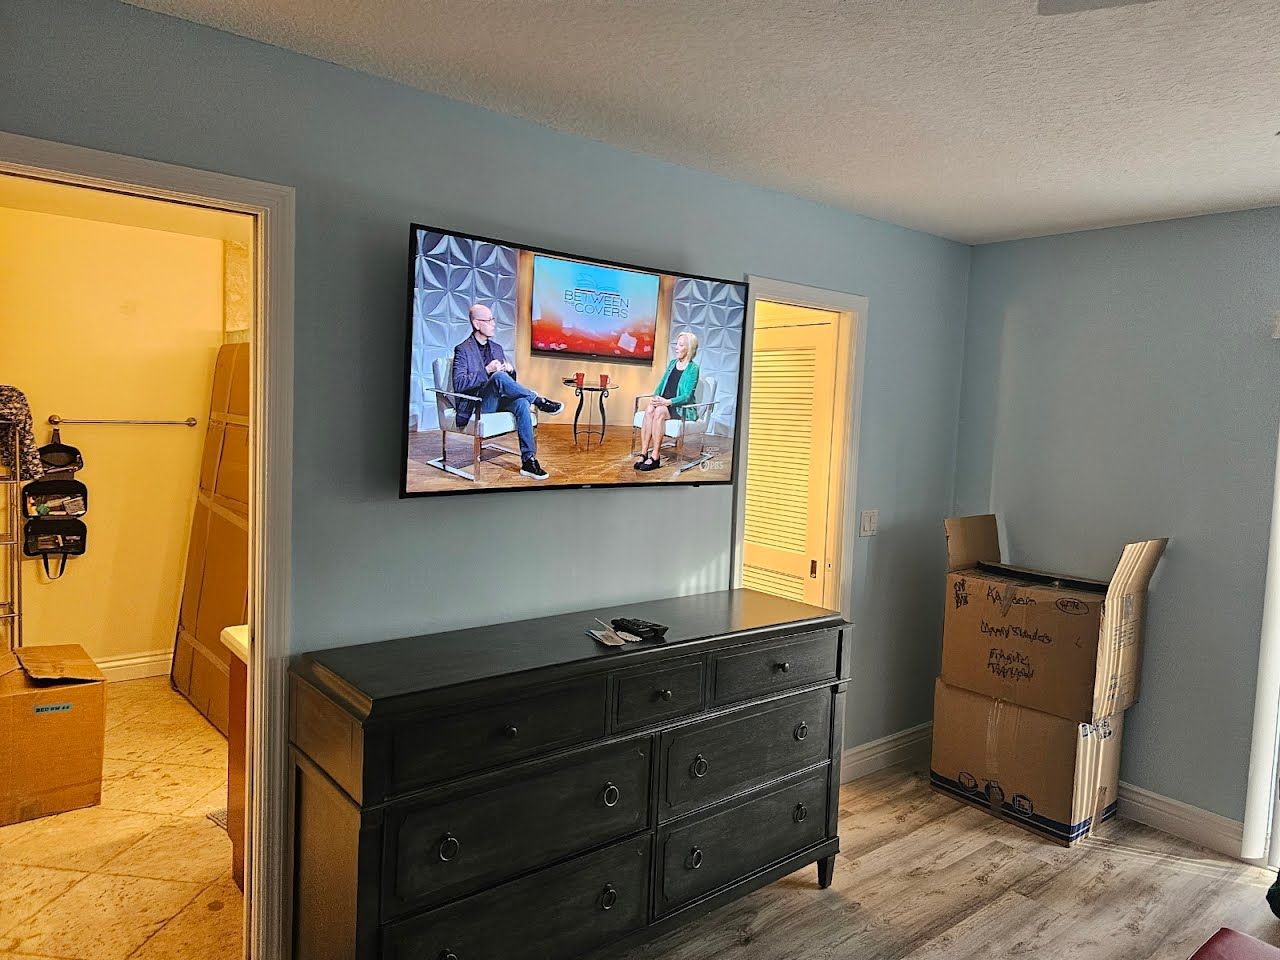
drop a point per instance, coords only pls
(1261, 810)
(270, 481)
(854, 311)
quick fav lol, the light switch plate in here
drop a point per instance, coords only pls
(867, 523)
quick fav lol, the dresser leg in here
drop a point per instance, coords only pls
(826, 871)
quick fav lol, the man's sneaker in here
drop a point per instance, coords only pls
(548, 406)
(532, 468)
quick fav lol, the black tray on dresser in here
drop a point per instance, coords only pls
(519, 791)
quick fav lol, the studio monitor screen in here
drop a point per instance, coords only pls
(584, 309)
(529, 369)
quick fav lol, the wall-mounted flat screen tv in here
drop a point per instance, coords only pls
(530, 368)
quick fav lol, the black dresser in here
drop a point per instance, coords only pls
(522, 791)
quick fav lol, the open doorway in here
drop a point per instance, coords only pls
(191, 293)
(120, 317)
(799, 459)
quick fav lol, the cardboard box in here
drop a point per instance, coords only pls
(1064, 645)
(216, 589)
(224, 466)
(224, 593)
(52, 727)
(231, 380)
(215, 595)
(1053, 776)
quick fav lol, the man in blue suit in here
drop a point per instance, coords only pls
(481, 369)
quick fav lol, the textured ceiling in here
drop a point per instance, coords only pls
(975, 119)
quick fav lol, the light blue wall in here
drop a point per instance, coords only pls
(368, 156)
(1121, 384)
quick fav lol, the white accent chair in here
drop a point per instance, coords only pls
(480, 428)
(677, 429)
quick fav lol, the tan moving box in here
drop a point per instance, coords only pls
(1063, 645)
(52, 726)
(215, 593)
(1050, 775)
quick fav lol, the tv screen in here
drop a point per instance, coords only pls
(588, 310)
(530, 368)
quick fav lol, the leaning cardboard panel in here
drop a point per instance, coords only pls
(52, 725)
(1064, 645)
(1050, 775)
(215, 591)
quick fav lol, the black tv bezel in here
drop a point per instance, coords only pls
(406, 494)
(606, 357)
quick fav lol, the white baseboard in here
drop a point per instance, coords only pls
(1211, 830)
(136, 666)
(1202, 827)
(910, 744)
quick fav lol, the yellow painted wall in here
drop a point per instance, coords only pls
(103, 320)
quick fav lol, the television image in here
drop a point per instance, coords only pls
(531, 369)
(592, 311)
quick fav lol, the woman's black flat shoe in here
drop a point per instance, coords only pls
(639, 464)
(650, 463)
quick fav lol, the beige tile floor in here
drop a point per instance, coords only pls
(144, 875)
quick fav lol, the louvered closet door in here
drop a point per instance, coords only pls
(789, 456)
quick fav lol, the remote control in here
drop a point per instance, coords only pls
(640, 628)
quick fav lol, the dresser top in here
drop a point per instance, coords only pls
(372, 673)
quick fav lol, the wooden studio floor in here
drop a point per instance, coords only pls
(566, 462)
(145, 875)
(923, 877)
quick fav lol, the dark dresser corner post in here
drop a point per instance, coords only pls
(827, 865)
(826, 871)
(846, 651)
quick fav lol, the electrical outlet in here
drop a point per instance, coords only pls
(867, 523)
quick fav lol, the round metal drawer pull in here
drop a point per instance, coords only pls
(783, 667)
(449, 847)
(695, 859)
(699, 767)
(800, 813)
(667, 695)
(609, 898)
(802, 730)
(511, 732)
(611, 795)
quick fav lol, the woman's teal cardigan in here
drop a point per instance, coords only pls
(681, 402)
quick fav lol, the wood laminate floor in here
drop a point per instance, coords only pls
(144, 875)
(924, 877)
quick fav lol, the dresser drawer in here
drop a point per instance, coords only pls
(441, 748)
(714, 759)
(772, 665)
(556, 913)
(652, 695)
(543, 812)
(698, 856)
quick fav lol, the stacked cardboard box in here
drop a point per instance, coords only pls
(215, 593)
(1037, 671)
(52, 726)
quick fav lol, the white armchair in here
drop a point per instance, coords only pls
(678, 430)
(480, 428)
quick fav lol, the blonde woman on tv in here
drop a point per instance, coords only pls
(672, 397)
